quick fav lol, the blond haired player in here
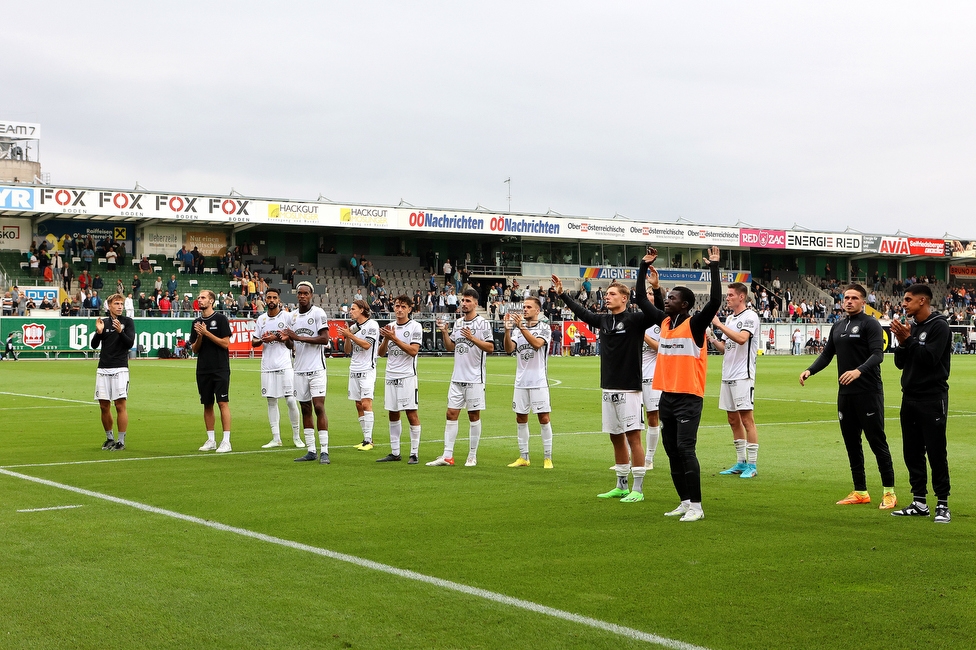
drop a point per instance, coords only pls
(361, 339)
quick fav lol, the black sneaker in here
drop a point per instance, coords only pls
(108, 444)
(118, 446)
(942, 515)
(323, 458)
(914, 509)
(309, 456)
(413, 460)
(389, 458)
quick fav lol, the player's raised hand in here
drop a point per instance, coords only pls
(713, 254)
(651, 255)
(653, 277)
(116, 324)
(200, 328)
(557, 284)
(99, 325)
(467, 333)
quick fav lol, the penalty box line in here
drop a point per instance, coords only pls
(494, 597)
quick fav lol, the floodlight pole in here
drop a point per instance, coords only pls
(508, 181)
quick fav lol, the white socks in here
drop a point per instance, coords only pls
(638, 478)
(310, 440)
(547, 440)
(450, 436)
(653, 436)
(414, 440)
(226, 440)
(273, 417)
(622, 472)
(752, 451)
(211, 436)
(324, 441)
(366, 424)
(294, 415)
(396, 428)
(740, 450)
(474, 437)
(523, 439)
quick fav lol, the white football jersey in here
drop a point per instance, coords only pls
(740, 360)
(532, 369)
(309, 356)
(469, 359)
(275, 355)
(364, 359)
(399, 364)
(649, 355)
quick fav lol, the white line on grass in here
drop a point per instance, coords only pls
(495, 597)
(56, 399)
(51, 508)
(42, 406)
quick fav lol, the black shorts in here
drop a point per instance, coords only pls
(213, 386)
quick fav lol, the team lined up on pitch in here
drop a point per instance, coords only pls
(653, 362)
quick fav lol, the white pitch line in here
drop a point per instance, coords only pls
(51, 508)
(492, 596)
(56, 399)
(42, 406)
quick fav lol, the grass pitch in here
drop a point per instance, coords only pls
(775, 564)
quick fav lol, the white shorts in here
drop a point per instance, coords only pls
(622, 411)
(469, 397)
(278, 383)
(309, 385)
(362, 385)
(737, 395)
(111, 384)
(652, 398)
(531, 400)
(401, 394)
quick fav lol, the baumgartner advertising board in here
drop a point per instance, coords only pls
(823, 241)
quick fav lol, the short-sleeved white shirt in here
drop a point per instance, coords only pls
(739, 361)
(469, 359)
(364, 359)
(309, 356)
(275, 355)
(399, 364)
(532, 369)
(649, 355)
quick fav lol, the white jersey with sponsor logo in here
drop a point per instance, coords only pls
(649, 356)
(469, 359)
(740, 360)
(309, 356)
(364, 359)
(532, 369)
(275, 355)
(399, 364)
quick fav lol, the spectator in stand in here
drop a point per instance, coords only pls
(119, 287)
(136, 283)
(186, 260)
(110, 258)
(164, 305)
(128, 307)
(94, 304)
(97, 283)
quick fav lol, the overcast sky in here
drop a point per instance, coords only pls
(823, 114)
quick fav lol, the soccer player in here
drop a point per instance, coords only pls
(361, 339)
(739, 377)
(621, 335)
(310, 331)
(115, 335)
(210, 341)
(529, 338)
(471, 341)
(277, 375)
(923, 353)
(858, 341)
(401, 345)
(652, 398)
(682, 365)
